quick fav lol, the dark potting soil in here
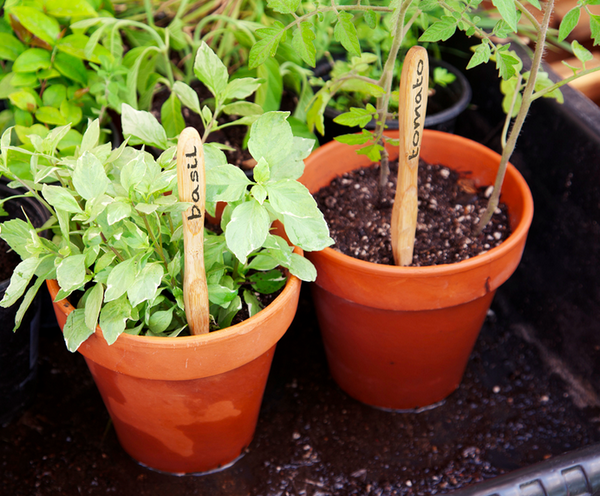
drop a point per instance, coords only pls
(449, 209)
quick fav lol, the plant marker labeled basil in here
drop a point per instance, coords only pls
(414, 84)
(192, 188)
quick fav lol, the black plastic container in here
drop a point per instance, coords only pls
(19, 350)
(443, 107)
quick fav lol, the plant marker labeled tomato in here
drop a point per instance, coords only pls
(414, 85)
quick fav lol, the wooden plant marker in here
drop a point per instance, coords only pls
(192, 188)
(414, 86)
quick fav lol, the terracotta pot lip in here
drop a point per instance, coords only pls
(518, 234)
(124, 340)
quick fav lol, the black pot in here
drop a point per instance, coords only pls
(18, 350)
(443, 107)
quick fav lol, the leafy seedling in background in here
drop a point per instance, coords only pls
(45, 81)
(528, 85)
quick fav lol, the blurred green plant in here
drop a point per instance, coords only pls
(46, 68)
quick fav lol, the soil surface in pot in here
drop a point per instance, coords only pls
(449, 208)
(233, 137)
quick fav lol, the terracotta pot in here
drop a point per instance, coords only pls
(400, 337)
(187, 404)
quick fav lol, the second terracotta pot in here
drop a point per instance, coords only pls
(400, 337)
(187, 404)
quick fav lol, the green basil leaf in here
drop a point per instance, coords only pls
(247, 229)
(252, 302)
(91, 136)
(70, 272)
(240, 88)
(225, 183)
(76, 45)
(160, 320)
(89, 177)
(145, 286)
(303, 221)
(93, 304)
(10, 47)
(133, 172)
(120, 279)
(70, 67)
(271, 137)
(50, 115)
(24, 99)
(268, 95)
(113, 318)
(142, 128)
(19, 281)
(76, 331)
(171, 116)
(54, 95)
(61, 198)
(17, 234)
(210, 70)
(187, 96)
(71, 113)
(267, 282)
(242, 109)
(46, 28)
(302, 268)
(70, 8)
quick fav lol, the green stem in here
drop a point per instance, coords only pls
(181, 10)
(210, 125)
(510, 110)
(529, 15)
(385, 82)
(360, 8)
(157, 246)
(549, 89)
(112, 248)
(140, 25)
(508, 150)
(149, 13)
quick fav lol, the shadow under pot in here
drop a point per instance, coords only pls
(18, 350)
(444, 105)
(400, 337)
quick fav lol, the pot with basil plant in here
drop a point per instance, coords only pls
(398, 329)
(127, 296)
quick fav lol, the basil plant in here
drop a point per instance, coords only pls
(116, 227)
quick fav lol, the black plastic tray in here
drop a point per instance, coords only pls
(529, 402)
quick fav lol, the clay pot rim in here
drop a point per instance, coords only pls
(124, 340)
(520, 232)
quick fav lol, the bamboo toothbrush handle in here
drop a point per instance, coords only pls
(192, 188)
(414, 86)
